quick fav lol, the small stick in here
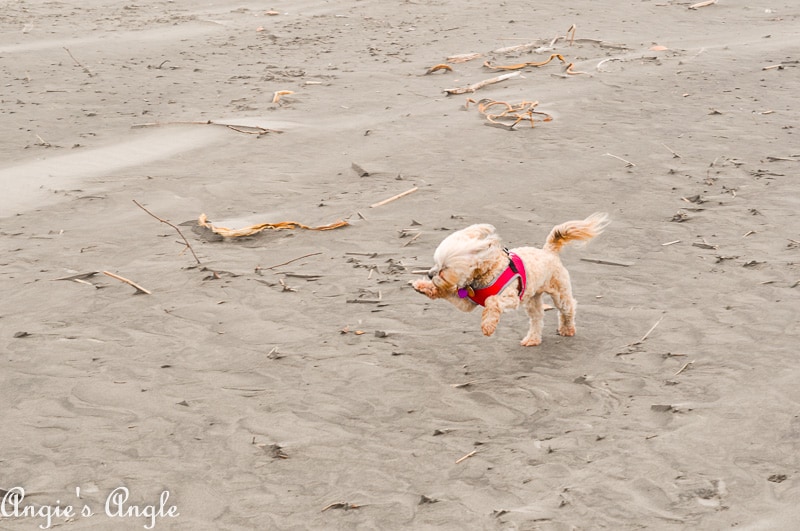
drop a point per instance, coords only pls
(569, 70)
(188, 246)
(788, 159)
(477, 86)
(644, 337)
(88, 72)
(520, 66)
(571, 37)
(702, 4)
(670, 243)
(412, 240)
(518, 48)
(79, 276)
(464, 458)
(128, 282)
(605, 262)
(276, 97)
(247, 129)
(674, 155)
(685, 366)
(463, 57)
(259, 131)
(395, 197)
(436, 68)
(292, 260)
(605, 61)
(628, 164)
(604, 44)
(341, 505)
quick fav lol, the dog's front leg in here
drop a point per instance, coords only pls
(429, 289)
(490, 316)
(495, 306)
(426, 287)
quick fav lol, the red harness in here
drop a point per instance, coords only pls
(515, 270)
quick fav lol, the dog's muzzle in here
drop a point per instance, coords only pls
(432, 273)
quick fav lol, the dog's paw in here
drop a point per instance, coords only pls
(425, 287)
(531, 341)
(568, 331)
(488, 327)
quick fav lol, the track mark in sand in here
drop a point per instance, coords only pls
(31, 184)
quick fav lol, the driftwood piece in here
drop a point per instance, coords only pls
(129, 282)
(276, 97)
(463, 57)
(465, 457)
(225, 232)
(698, 5)
(394, 197)
(520, 47)
(514, 113)
(520, 66)
(477, 86)
(436, 68)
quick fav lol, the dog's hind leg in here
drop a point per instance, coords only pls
(535, 310)
(566, 305)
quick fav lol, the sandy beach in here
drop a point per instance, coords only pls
(293, 379)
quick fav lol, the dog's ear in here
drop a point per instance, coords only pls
(480, 231)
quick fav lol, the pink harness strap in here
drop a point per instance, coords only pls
(515, 270)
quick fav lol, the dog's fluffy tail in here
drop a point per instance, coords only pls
(576, 230)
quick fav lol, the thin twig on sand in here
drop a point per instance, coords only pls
(341, 505)
(606, 262)
(188, 246)
(628, 164)
(394, 197)
(246, 129)
(290, 261)
(88, 72)
(643, 339)
(674, 154)
(464, 458)
(685, 366)
(129, 282)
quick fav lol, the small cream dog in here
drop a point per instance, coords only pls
(473, 269)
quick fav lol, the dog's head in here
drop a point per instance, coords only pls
(466, 256)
